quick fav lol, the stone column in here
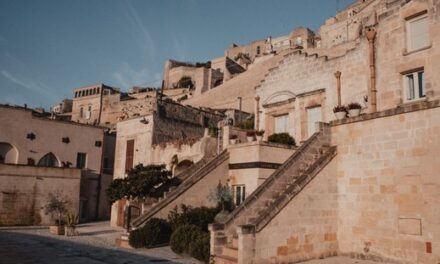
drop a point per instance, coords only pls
(370, 33)
(338, 85)
(257, 113)
(246, 244)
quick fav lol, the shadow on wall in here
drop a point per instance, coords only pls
(8, 153)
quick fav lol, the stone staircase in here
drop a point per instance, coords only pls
(190, 177)
(271, 197)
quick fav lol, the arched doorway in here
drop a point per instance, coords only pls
(49, 160)
(8, 153)
(182, 166)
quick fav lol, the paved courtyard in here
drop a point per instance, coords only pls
(94, 245)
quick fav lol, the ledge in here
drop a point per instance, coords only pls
(401, 109)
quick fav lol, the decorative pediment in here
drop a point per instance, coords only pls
(279, 97)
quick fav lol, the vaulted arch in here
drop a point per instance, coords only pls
(49, 160)
(8, 153)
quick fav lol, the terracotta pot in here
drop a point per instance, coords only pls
(56, 230)
(233, 141)
(70, 231)
(354, 112)
(250, 139)
(259, 138)
(340, 115)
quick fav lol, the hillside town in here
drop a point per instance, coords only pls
(292, 148)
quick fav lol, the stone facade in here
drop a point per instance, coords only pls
(25, 191)
(172, 131)
(29, 138)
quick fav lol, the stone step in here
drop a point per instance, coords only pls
(225, 260)
(235, 242)
(230, 251)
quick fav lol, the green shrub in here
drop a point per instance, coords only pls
(247, 124)
(199, 248)
(198, 216)
(282, 138)
(155, 232)
(183, 236)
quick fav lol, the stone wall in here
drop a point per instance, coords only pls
(25, 191)
(173, 121)
(251, 163)
(307, 227)
(19, 123)
(387, 180)
(198, 194)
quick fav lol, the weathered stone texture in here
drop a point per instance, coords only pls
(25, 191)
(307, 227)
(388, 186)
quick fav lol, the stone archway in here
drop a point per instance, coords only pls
(8, 153)
(182, 166)
(49, 160)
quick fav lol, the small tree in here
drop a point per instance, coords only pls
(142, 181)
(222, 195)
(56, 205)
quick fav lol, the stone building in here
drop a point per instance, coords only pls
(361, 186)
(171, 134)
(41, 156)
(104, 105)
(364, 186)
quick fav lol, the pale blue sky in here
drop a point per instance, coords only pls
(49, 47)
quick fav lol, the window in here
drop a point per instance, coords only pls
(129, 155)
(81, 159)
(414, 85)
(258, 50)
(49, 160)
(239, 194)
(97, 90)
(417, 33)
(313, 115)
(81, 112)
(281, 123)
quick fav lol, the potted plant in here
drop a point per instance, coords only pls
(340, 111)
(56, 206)
(233, 139)
(250, 135)
(72, 221)
(259, 135)
(354, 109)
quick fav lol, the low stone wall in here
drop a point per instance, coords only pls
(251, 163)
(24, 192)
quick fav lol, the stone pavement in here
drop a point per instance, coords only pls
(94, 245)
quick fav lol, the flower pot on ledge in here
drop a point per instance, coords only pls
(250, 139)
(340, 115)
(259, 138)
(354, 112)
(233, 141)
